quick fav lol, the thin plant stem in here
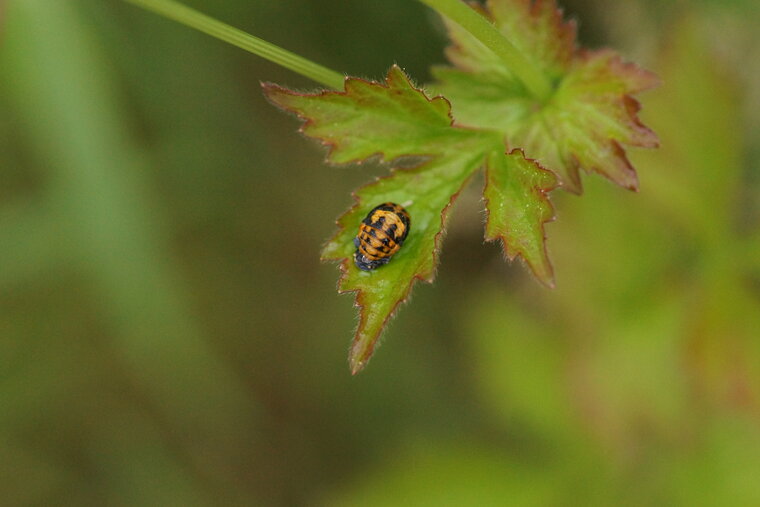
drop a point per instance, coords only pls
(480, 28)
(194, 19)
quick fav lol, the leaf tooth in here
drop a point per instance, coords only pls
(643, 136)
(617, 168)
(570, 179)
(516, 219)
(364, 343)
(633, 78)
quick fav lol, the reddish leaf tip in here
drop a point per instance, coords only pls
(356, 365)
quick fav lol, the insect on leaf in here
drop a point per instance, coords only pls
(395, 119)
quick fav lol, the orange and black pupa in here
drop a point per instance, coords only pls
(381, 234)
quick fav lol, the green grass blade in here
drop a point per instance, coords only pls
(222, 31)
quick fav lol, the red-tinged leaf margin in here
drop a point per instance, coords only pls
(636, 78)
(543, 194)
(272, 89)
(633, 79)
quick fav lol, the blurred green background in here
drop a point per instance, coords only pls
(169, 337)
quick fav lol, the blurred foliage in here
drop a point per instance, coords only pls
(167, 335)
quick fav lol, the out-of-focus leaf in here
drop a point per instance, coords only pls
(724, 471)
(694, 180)
(435, 474)
(520, 369)
(583, 124)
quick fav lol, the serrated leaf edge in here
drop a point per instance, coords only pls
(358, 363)
(306, 121)
(550, 282)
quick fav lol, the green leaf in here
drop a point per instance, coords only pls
(518, 207)
(393, 120)
(587, 120)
